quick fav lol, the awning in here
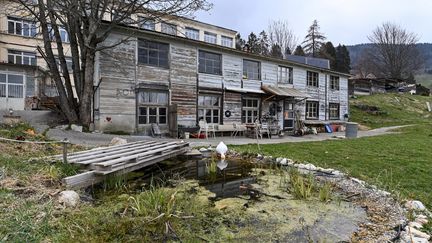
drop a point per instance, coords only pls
(285, 92)
(243, 90)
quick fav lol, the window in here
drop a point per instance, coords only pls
(312, 79)
(251, 70)
(334, 82)
(168, 28)
(21, 57)
(210, 37)
(147, 24)
(21, 27)
(334, 111)
(209, 108)
(312, 109)
(210, 63)
(192, 33)
(64, 35)
(250, 110)
(152, 107)
(153, 53)
(11, 85)
(285, 75)
(68, 63)
(227, 41)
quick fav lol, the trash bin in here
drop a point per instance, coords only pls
(351, 130)
(186, 135)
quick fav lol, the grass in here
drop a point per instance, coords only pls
(425, 80)
(397, 162)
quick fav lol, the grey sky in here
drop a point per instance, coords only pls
(342, 21)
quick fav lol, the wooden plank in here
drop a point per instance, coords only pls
(81, 180)
(135, 156)
(123, 156)
(84, 158)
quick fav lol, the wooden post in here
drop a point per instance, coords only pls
(65, 144)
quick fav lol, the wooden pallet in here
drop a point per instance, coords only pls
(120, 159)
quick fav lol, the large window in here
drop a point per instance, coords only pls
(152, 107)
(11, 85)
(312, 109)
(334, 82)
(210, 63)
(312, 79)
(147, 24)
(334, 111)
(210, 37)
(227, 41)
(64, 35)
(192, 33)
(209, 108)
(250, 110)
(153, 53)
(251, 70)
(168, 28)
(285, 75)
(21, 57)
(21, 27)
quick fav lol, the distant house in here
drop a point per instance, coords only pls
(370, 86)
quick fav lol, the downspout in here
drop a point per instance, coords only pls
(326, 94)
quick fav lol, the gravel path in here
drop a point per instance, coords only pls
(99, 139)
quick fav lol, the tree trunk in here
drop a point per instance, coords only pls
(86, 100)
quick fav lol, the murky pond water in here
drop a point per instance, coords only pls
(275, 215)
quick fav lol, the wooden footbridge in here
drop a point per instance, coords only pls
(120, 159)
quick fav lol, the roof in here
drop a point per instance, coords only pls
(286, 92)
(243, 90)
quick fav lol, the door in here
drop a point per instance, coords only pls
(288, 115)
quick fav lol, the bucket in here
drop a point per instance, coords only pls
(351, 130)
(186, 135)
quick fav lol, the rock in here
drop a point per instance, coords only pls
(384, 193)
(421, 221)
(259, 156)
(406, 238)
(284, 161)
(417, 233)
(203, 150)
(117, 141)
(415, 205)
(278, 160)
(358, 181)
(69, 198)
(310, 167)
(337, 173)
(415, 225)
(210, 148)
(76, 128)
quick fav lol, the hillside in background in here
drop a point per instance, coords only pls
(424, 48)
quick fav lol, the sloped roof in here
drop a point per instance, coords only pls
(283, 91)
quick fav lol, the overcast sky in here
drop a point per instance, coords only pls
(342, 21)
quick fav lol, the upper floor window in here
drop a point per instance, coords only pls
(21, 27)
(210, 37)
(227, 41)
(251, 70)
(285, 75)
(147, 24)
(210, 63)
(64, 35)
(21, 57)
(334, 82)
(312, 79)
(192, 33)
(153, 53)
(168, 28)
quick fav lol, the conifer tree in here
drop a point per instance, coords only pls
(287, 51)
(313, 40)
(343, 60)
(276, 51)
(239, 42)
(328, 51)
(253, 43)
(299, 51)
(263, 43)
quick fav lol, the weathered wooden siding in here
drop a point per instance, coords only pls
(232, 103)
(269, 73)
(116, 99)
(232, 70)
(183, 68)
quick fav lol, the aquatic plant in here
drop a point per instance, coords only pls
(301, 186)
(325, 192)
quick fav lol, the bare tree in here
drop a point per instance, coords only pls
(281, 34)
(313, 40)
(394, 53)
(88, 24)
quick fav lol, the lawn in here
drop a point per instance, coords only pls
(401, 163)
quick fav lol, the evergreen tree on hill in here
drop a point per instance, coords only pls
(253, 43)
(299, 51)
(276, 51)
(239, 42)
(313, 40)
(328, 51)
(343, 60)
(263, 43)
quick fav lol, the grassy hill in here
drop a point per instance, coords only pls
(390, 109)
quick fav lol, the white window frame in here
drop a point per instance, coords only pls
(207, 111)
(227, 41)
(285, 75)
(248, 115)
(64, 35)
(147, 23)
(334, 82)
(192, 33)
(334, 111)
(158, 105)
(30, 56)
(312, 110)
(6, 86)
(312, 79)
(256, 74)
(210, 37)
(31, 28)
